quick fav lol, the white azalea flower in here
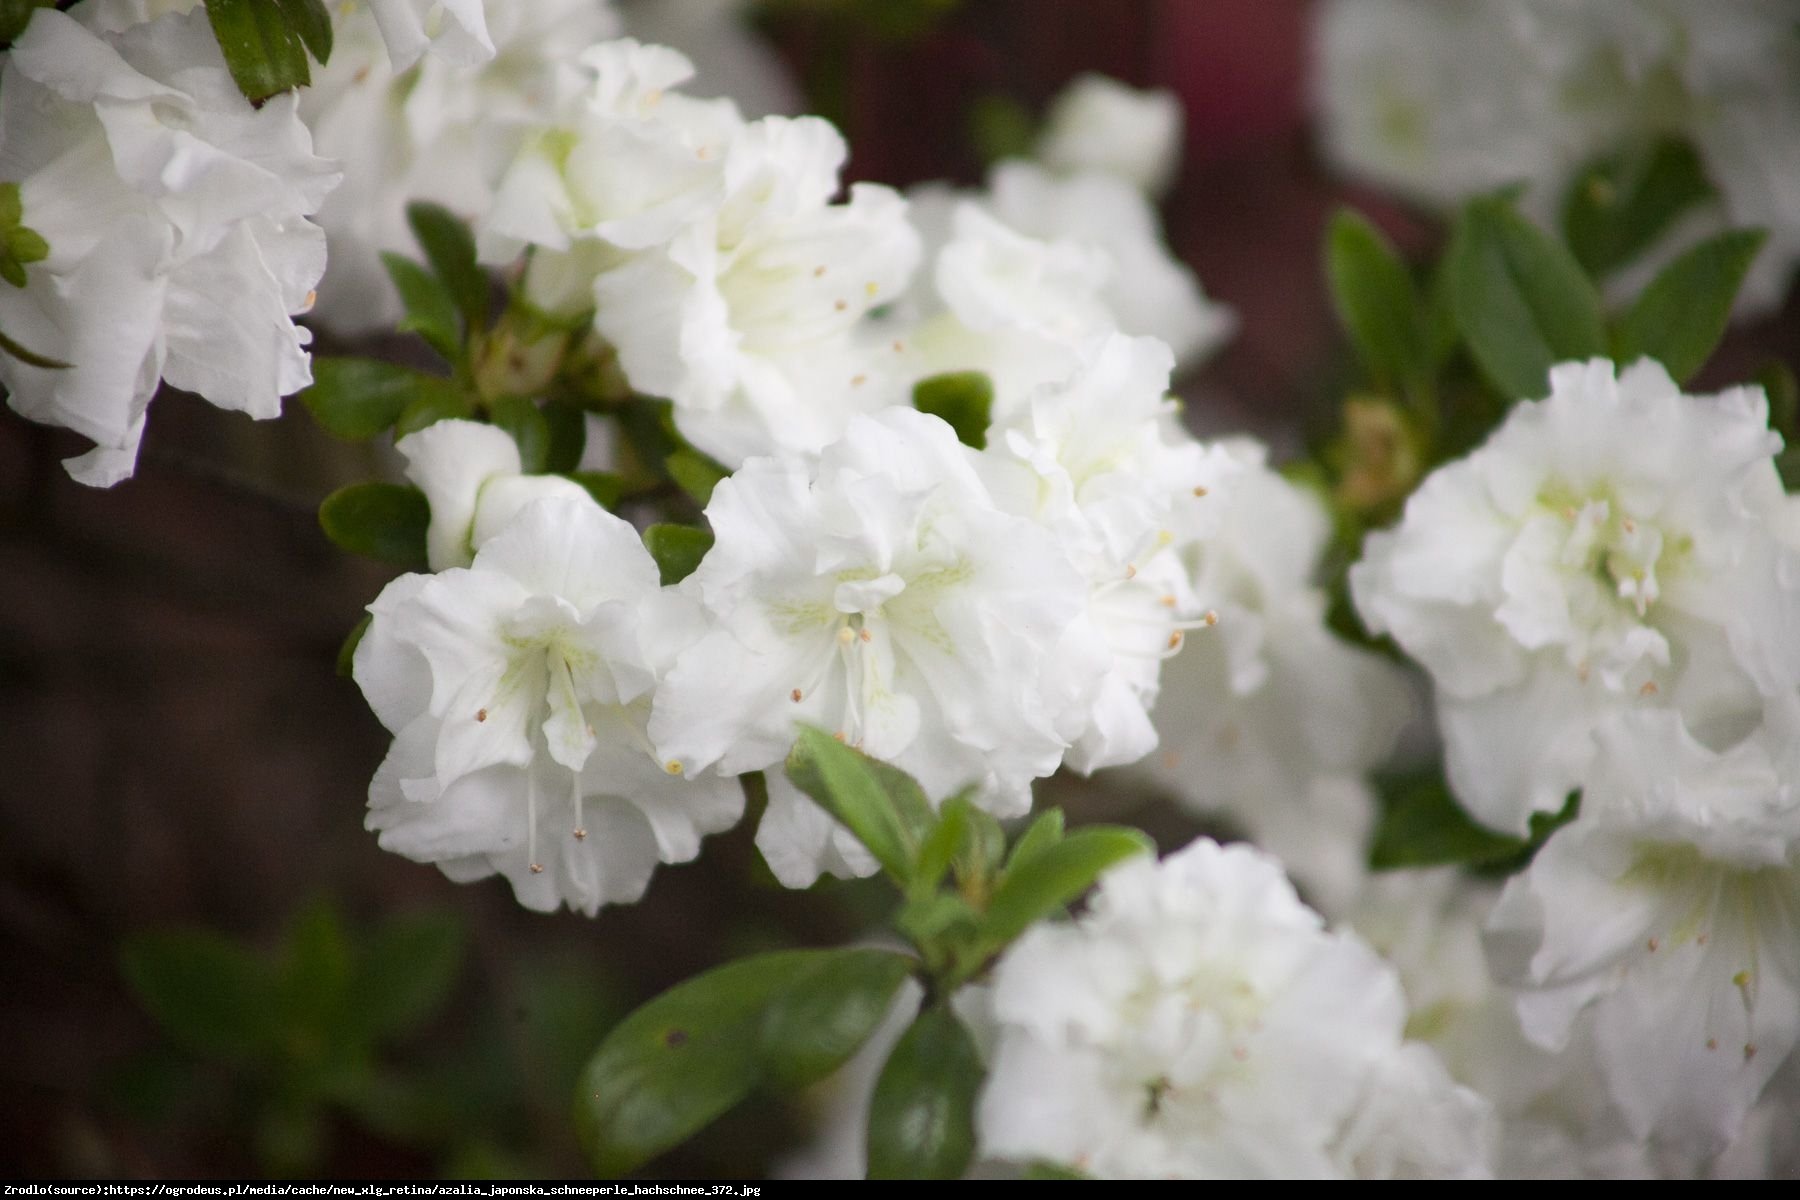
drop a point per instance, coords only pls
(441, 131)
(1097, 124)
(1667, 917)
(453, 30)
(517, 690)
(1611, 547)
(1446, 101)
(1101, 462)
(1148, 291)
(1269, 717)
(1199, 1022)
(880, 594)
(175, 217)
(474, 482)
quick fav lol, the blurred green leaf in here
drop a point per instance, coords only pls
(435, 400)
(1521, 300)
(1043, 833)
(404, 972)
(450, 250)
(529, 429)
(385, 521)
(1680, 317)
(695, 474)
(15, 15)
(264, 50)
(883, 807)
(605, 487)
(568, 437)
(940, 846)
(1050, 1170)
(1376, 301)
(1001, 127)
(1780, 385)
(677, 550)
(673, 1066)
(346, 655)
(1421, 825)
(1619, 205)
(962, 399)
(208, 993)
(358, 398)
(1047, 881)
(922, 1115)
(430, 308)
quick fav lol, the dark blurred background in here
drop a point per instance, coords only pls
(178, 752)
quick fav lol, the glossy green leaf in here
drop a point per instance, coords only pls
(683, 1059)
(430, 309)
(677, 550)
(1045, 883)
(963, 399)
(311, 21)
(529, 428)
(1521, 300)
(825, 1015)
(865, 796)
(385, 521)
(695, 474)
(1375, 300)
(922, 1115)
(358, 398)
(264, 51)
(450, 250)
(209, 994)
(1680, 317)
(1618, 206)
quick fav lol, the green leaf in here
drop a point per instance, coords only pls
(1038, 837)
(568, 437)
(1047, 881)
(1521, 300)
(813, 1026)
(683, 1059)
(1376, 301)
(437, 400)
(19, 245)
(1049, 1170)
(315, 975)
(981, 852)
(404, 973)
(1619, 205)
(358, 398)
(263, 50)
(1783, 390)
(963, 399)
(15, 15)
(346, 655)
(526, 423)
(450, 250)
(927, 918)
(922, 1115)
(677, 550)
(311, 21)
(1681, 316)
(384, 521)
(209, 994)
(695, 474)
(31, 358)
(1001, 127)
(866, 797)
(430, 310)
(605, 487)
(1422, 826)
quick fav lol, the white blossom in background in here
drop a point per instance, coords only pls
(1612, 547)
(517, 690)
(1148, 290)
(731, 58)
(1270, 718)
(441, 130)
(880, 593)
(175, 214)
(1200, 1022)
(1444, 101)
(452, 30)
(1667, 917)
(1099, 125)
(474, 482)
